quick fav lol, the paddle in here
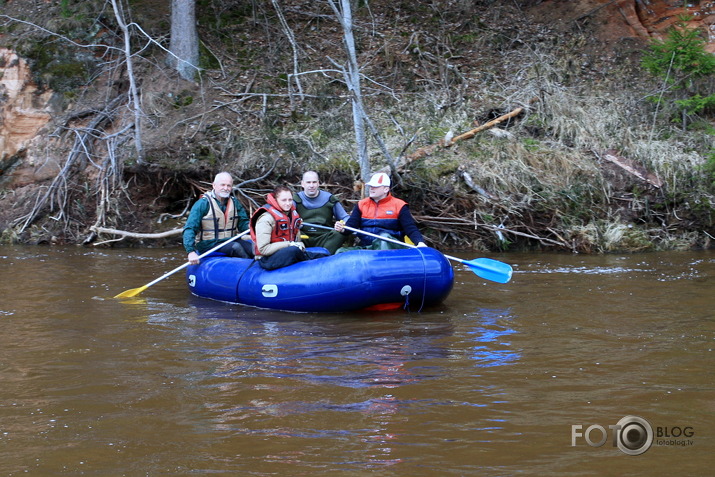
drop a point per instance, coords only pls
(486, 268)
(135, 291)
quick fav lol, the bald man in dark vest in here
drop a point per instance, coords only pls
(319, 207)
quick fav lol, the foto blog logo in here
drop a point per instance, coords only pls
(633, 435)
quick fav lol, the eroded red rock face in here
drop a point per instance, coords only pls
(613, 20)
(23, 110)
(657, 16)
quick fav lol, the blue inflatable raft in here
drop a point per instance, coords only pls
(350, 281)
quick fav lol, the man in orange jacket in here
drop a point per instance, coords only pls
(382, 214)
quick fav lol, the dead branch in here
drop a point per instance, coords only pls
(468, 180)
(124, 233)
(378, 138)
(57, 35)
(469, 227)
(166, 216)
(485, 126)
(295, 48)
(108, 180)
(237, 188)
(106, 241)
(352, 77)
(134, 93)
(632, 168)
(543, 240)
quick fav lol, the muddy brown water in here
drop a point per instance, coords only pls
(511, 379)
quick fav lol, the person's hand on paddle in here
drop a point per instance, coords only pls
(339, 226)
(191, 260)
(487, 268)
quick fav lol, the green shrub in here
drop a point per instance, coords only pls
(697, 104)
(681, 57)
(684, 65)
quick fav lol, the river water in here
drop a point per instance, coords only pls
(513, 379)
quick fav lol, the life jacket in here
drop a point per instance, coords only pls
(322, 215)
(218, 224)
(287, 228)
(380, 217)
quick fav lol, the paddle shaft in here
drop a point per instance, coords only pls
(141, 289)
(484, 267)
(386, 239)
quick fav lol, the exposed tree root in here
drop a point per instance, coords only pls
(57, 194)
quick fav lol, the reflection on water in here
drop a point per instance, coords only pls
(491, 345)
(489, 383)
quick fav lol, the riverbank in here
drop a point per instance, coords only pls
(589, 163)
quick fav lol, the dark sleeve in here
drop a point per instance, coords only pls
(242, 216)
(409, 226)
(354, 221)
(193, 224)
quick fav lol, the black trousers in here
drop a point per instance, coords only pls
(238, 248)
(331, 240)
(287, 256)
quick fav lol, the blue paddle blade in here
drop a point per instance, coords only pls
(489, 269)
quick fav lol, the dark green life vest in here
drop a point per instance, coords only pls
(320, 216)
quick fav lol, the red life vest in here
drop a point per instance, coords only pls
(287, 228)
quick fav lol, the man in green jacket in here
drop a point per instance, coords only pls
(214, 218)
(319, 207)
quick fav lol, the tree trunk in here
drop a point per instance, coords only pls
(133, 89)
(184, 45)
(352, 79)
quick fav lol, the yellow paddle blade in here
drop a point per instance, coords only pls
(136, 291)
(132, 292)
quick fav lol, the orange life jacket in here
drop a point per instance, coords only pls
(381, 216)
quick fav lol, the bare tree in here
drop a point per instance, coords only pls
(184, 45)
(133, 90)
(294, 46)
(352, 78)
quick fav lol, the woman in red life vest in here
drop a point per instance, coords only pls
(382, 214)
(275, 230)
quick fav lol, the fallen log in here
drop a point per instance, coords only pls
(124, 233)
(490, 124)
